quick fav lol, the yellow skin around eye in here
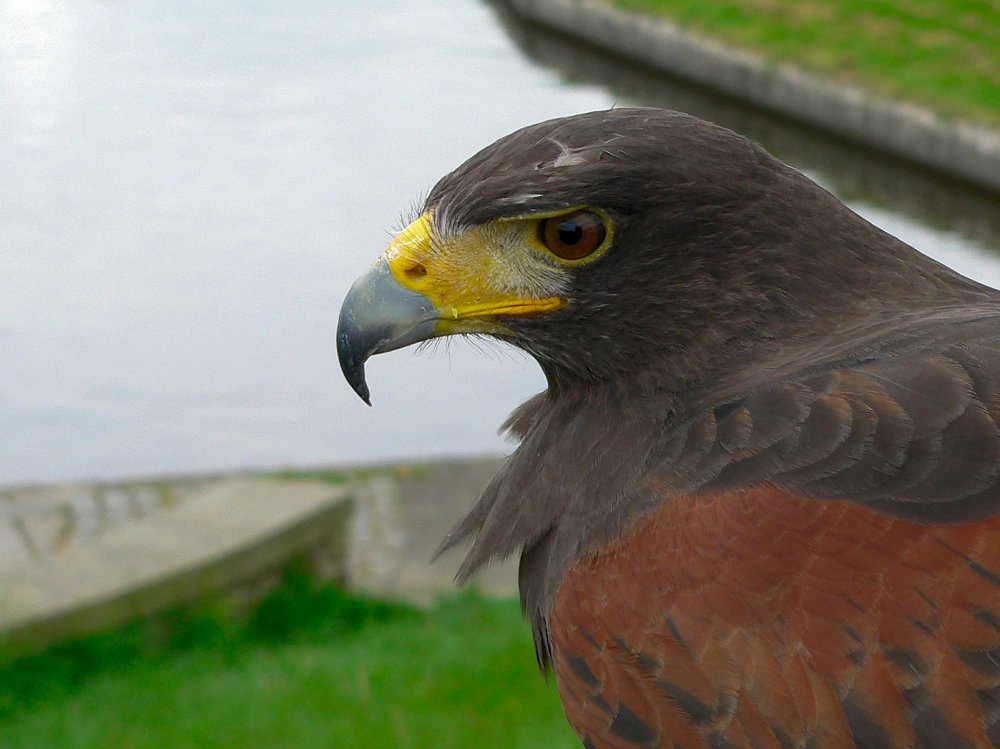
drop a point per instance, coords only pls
(496, 270)
(486, 272)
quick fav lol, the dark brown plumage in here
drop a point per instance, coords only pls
(759, 503)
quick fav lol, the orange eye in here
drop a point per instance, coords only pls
(573, 236)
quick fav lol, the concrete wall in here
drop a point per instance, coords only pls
(231, 544)
(229, 541)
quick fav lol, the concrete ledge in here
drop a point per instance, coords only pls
(914, 133)
(400, 518)
(234, 539)
(37, 522)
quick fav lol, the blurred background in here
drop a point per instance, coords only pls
(186, 193)
(189, 190)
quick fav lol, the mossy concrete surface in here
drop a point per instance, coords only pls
(231, 542)
(228, 541)
(402, 515)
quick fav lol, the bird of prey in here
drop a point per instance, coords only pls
(758, 504)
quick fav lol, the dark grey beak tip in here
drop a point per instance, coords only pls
(379, 315)
(353, 351)
(352, 364)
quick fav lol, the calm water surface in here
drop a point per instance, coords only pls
(187, 192)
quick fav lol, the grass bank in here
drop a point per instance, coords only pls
(310, 667)
(943, 54)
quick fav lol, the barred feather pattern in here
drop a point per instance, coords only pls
(759, 618)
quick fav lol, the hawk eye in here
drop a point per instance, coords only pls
(574, 235)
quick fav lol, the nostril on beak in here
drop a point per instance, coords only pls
(414, 271)
(410, 272)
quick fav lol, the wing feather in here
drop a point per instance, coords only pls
(912, 431)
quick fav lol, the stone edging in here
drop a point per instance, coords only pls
(909, 131)
(230, 545)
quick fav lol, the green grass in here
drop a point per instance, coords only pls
(311, 667)
(338, 477)
(327, 476)
(944, 54)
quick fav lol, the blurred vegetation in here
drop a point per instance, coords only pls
(340, 476)
(944, 54)
(328, 476)
(310, 666)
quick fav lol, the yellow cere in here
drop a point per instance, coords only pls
(466, 277)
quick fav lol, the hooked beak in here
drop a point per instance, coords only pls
(379, 315)
(420, 289)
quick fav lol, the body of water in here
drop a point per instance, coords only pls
(188, 191)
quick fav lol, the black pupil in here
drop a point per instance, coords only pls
(570, 232)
